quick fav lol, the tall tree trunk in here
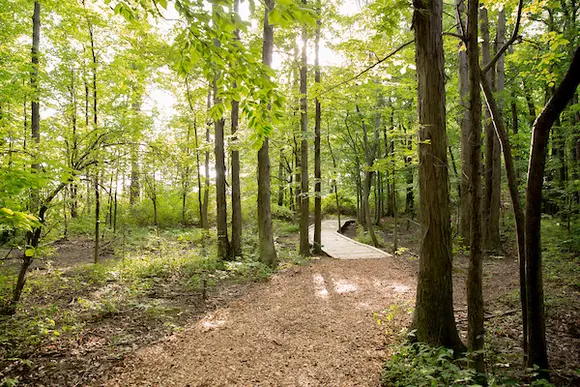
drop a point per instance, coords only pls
(281, 178)
(266, 236)
(530, 102)
(202, 214)
(370, 159)
(33, 237)
(236, 245)
(135, 184)
(223, 243)
(433, 318)
(465, 206)
(492, 175)
(205, 206)
(540, 135)
(97, 217)
(317, 171)
(304, 188)
(297, 177)
(334, 182)
(475, 329)
(185, 176)
(515, 197)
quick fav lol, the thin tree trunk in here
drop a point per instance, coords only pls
(433, 318)
(223, 243)
(370, 158)
(97, 217)
(205, 206)
(540, 135)
(317, 171)
(492, 175)
(236, 245)
(334, 180)
(515, 197)
(33, 237)
(465, 198)
(202, 215)
(304, 188)
(266, 236)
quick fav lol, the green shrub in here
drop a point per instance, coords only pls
(347, 205)
(282, 213)
(418, 364)
(363, 237)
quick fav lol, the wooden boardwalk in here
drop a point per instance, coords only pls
(339, 246)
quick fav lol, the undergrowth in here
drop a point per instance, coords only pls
(59, 304)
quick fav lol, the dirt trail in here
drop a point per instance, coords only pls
(308, 326)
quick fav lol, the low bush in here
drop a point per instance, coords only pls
(347, 205)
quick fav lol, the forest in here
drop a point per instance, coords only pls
(289, 192)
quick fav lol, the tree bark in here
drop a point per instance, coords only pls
(266, 244)
(236, 245)
(205, 204)
(97, 217)
(540, 134)
(465, 198)
(492, 171)
(317, 169)
(433, 318)
(304, 187)
(515, 197)
(370, 153)
(220, 181)
(475, 316)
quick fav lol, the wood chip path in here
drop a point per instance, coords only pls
(309, 326)
(339, 246)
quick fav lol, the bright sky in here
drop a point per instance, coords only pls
(163, 101)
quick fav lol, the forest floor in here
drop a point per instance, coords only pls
(322, 322)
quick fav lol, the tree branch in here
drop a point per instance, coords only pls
(513, 38)
(368, 68)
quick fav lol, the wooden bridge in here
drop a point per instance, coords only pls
(339, 246)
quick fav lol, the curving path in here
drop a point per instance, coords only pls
(339, 246)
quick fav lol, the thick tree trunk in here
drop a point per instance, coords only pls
(464, 124)
(433, 319)
(317, 171)
(540, 134)
(236, 245)
(492, 171)
(266, 236)
(475, 330)
(304, 187)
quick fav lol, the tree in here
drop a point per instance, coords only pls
(304, 186)
(492, 170)
(268, 253)
(236, 245)
(317, 122)
(475, 330)
(537, 354)
(433, 318)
